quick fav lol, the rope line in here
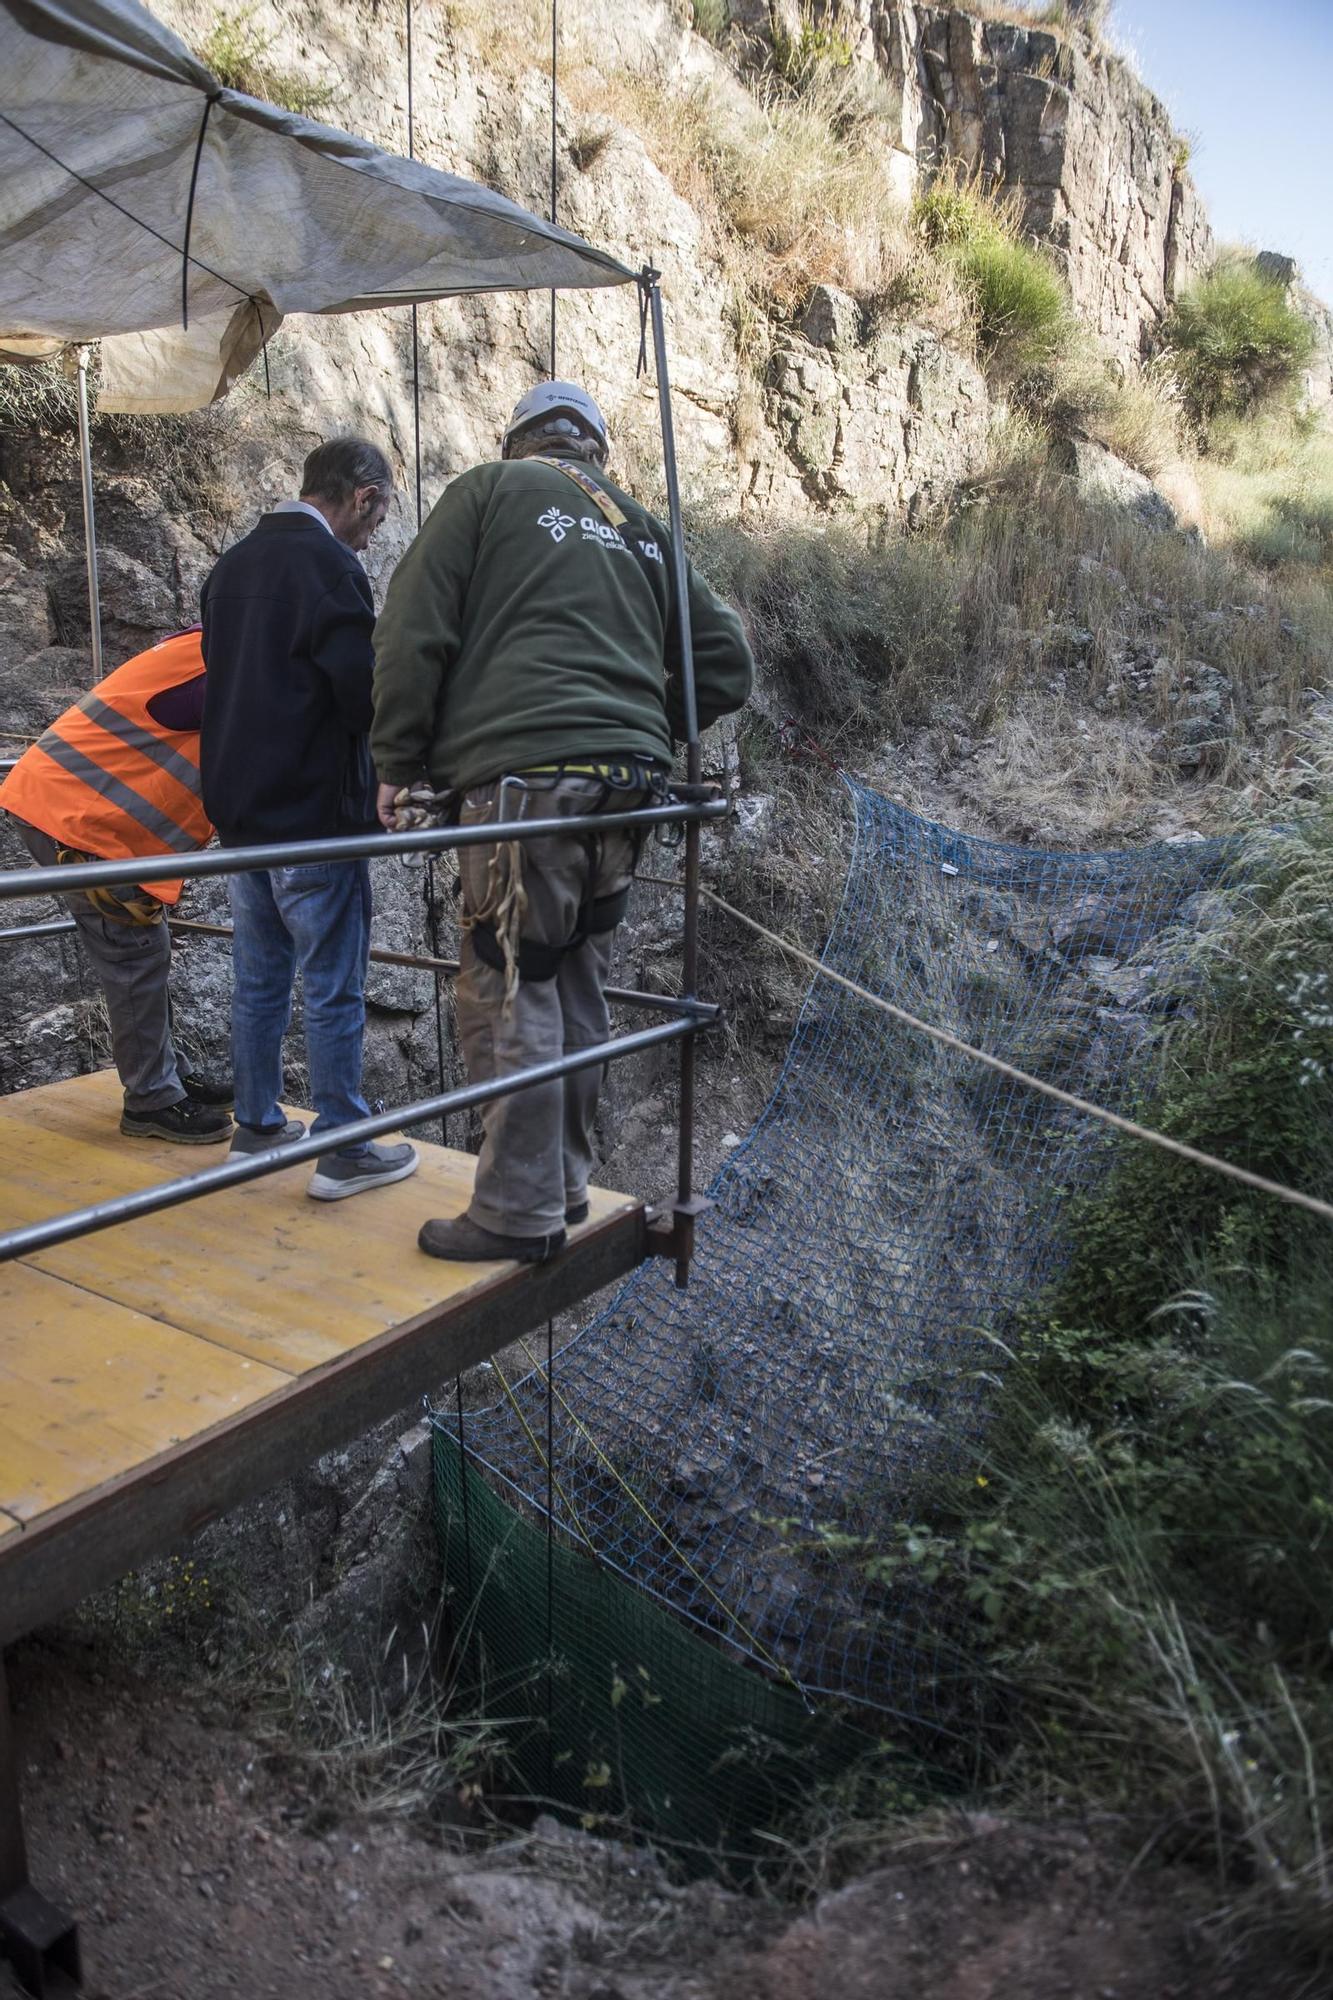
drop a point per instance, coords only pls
(531, 1436)
(462, 1481)
(209, 102)
(1066, 1097)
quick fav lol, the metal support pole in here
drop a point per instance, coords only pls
(89, 522)
(680, 579)
(28, 882)
(13, 1853)
(39, 1940)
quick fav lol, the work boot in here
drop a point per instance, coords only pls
(185, 1124)
(464, 1241)
(222, 1096)
(341, 1174)
(258, 1138)
(576, 1213)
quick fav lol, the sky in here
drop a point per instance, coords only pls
(1252, 85)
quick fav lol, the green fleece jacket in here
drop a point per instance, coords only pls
(522, 629)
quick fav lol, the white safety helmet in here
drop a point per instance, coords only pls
(555, 400)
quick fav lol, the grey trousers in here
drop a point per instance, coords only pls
(537, 1152)
(132, 962)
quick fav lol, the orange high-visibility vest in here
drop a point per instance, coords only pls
(108, 780)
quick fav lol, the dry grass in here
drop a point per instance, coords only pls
(1137, 416)
(791, 179)
(1268, 491)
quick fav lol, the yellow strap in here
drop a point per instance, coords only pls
(572, 770)
(589, 486)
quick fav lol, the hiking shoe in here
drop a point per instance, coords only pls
(185, 1124)
(341, 1174)
(463, 1241)
(576, 1213)
(258, 1138)
(222, 1096)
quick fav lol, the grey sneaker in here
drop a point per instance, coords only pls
(257, 1139)
(340, 1174)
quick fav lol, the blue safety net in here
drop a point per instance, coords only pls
(740, 1451)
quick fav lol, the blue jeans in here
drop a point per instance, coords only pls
(316, 919)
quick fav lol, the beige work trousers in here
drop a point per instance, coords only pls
(537, 1151)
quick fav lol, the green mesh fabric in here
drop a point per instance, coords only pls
(616, 1713)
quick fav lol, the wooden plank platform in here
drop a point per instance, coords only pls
(156, 1373)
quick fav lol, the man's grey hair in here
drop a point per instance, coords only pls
(560, 436)
(339, 469)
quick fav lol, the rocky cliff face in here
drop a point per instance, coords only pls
(1088, 152)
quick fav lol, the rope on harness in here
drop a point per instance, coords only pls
(502, 911)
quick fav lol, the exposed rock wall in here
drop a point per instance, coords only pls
(1087, 150)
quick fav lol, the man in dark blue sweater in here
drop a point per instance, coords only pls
(287, 620)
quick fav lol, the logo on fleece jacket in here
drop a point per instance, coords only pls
(594, 530)
(556, 522)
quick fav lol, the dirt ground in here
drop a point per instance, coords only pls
(195, 1867)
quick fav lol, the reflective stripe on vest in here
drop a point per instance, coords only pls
(150, 746)
(121, 795)
(107, 779)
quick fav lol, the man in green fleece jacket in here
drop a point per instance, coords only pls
(528, 640)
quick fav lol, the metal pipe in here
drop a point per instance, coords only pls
(622, 996)
(13, 1853)
(89, 522)
(17, 882)
(680, 575)
(55, 928)
(35, 1236)
(680, 569)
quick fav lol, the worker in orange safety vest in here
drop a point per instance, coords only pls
(117, 775)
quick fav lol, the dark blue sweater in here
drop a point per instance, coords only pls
(287, 618)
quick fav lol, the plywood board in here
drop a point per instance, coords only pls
(120, 1347)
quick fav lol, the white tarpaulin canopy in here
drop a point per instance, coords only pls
(116, 144)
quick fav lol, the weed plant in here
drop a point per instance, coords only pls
(238, 50)
(1146, 1555)
(1235, 342)
(1019, 299)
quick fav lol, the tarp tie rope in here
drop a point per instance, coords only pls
(263, 347)
(209, 102)
(647, 279)
(1066, 1097)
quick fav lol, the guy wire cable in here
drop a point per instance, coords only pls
(428, 885)
(550, 1556)
(555, 34)
(462, 1482)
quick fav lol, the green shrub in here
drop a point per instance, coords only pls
(1146, 1558)
(1234, 341)
(236, 49)
(712, 19)
(1018, 297)
(815, 45)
